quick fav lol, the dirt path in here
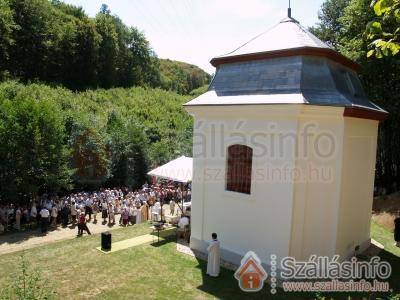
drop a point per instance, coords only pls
(17, 241)
(13, 242)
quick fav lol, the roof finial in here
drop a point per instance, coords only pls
(289, 11)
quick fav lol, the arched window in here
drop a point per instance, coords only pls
(238, 174)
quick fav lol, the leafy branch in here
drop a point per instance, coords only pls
(385, 31)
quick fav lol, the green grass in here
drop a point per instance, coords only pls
(77, 270)
(390, 254)
(385, 237)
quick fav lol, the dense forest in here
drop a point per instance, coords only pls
(53, 139)
(56, 43)
(345, 25)
(85, 102)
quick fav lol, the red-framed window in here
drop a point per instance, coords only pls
(238, 172)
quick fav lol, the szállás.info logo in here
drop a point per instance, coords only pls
(251, 274)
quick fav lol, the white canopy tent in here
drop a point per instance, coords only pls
(179, 170)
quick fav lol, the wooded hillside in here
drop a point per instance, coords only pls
(83, 102)
(57, 43)
(182, 77)
(53, 139)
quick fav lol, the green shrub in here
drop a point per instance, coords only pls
(29, 285)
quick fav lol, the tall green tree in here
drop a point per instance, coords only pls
(108, 50)
(90, 157)
(86, 58)
(7, 26)
(145, 63)
(381, 82)
(329, 28)
(33, 156)
(31, 54)
(62, 50)
(127, 146)
(69, 9)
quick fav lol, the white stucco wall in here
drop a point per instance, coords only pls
(260, 222)
(326, 212)
(316, 199)
(359, 156)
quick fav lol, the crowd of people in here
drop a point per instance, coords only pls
(132, 207)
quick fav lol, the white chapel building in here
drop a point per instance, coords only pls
(284, 150)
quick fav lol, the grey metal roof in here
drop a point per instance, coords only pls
(290, 80)
(298, 69)
(288, 34)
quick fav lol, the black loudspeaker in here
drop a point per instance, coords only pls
(106, 241)
(397, 229)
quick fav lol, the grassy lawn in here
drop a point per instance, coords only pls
(77, 270)
(385, 237)
(390, 254)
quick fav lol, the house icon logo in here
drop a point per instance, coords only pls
(251, 275)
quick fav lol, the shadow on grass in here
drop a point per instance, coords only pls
(226, 286)
(164, 239)
(394, 280)
(161, 242)
(17, 237)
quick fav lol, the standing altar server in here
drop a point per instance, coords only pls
(213, 257)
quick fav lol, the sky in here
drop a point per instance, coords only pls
(195, 31)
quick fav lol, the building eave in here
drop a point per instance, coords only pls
(305, 51)
(365, 113)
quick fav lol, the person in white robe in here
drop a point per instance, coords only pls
(34, 211)
(156, 212)
(172, 207)
(213, 263)
(138, 212)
